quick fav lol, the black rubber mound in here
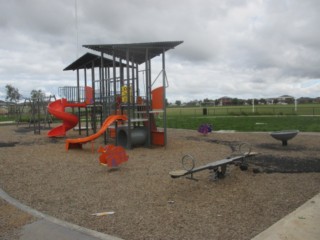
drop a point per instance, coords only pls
(278, 146)
(8, 144)
(278, 164)
(24, 130)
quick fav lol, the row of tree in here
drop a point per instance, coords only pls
(239, 102)
(13, 94)
(217, 102)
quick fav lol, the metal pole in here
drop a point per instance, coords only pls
(100, 83)
(102, 97)
(133, 84)
(128, 99)
(114, 83)
(93, 114)
(85, 98)
(102, 88)
(148, 98)
(164, 97)
(109, 91)
(78, 100)
(114, 91)
(38, 108)
(106, 75)
(253, 105)
(137, 81)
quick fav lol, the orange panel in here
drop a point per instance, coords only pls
(157, 98)
(89, 95)
(112, 132)
(158, 138)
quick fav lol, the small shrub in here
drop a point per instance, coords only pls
(205, 128)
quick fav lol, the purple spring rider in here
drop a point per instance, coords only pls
(205, 128)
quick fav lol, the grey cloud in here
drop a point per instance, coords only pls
(236, 48)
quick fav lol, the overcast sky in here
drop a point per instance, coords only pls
(235, 48)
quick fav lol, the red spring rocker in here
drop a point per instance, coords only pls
(112, 156)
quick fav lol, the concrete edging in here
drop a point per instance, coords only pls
(54, 220)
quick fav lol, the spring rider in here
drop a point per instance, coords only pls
(112, 156)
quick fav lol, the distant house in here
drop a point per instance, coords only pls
(307, 100)
(316, 100)
(269, 100)
(7, 107)
(285, 99)
(225, 101)
(3, 107)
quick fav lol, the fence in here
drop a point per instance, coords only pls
(71, 93)
(244, 111)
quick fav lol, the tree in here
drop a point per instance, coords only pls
(262, 101)
(192, 103)
(12, 93)
(178, 102)
(289, 100)
(207, 102)
(37, 94)
(255, 101)
(235, 101)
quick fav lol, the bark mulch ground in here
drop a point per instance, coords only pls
(147, 203)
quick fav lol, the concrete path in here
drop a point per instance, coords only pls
(44, 229)
(7, 122)
(303, 223)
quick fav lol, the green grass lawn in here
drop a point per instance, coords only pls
(290, 109)
(305, 117)
(7, 118)
(248, 123)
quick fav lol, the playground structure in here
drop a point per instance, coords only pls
(121, 89)
(34, 110)
(218, 168)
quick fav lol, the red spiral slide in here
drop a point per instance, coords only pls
(57, 109)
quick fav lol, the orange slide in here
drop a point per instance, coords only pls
(57, 109)
(77, 142)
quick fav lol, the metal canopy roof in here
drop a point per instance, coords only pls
(85, 61)
(137, 51)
